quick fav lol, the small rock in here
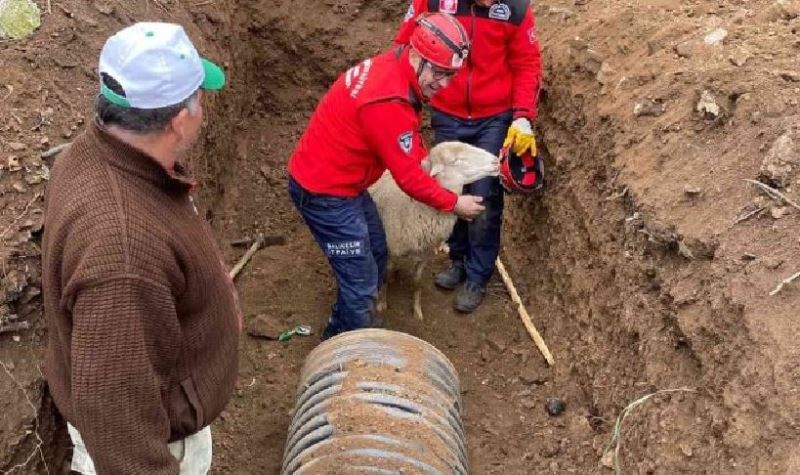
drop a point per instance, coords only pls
(555, 406)
(19, 187)
(716, 37)
(497, 343)
(691, 190)
(778, 212)
(749, 257)
(708, 106)
(686, 449)
(608, 459)
(531, 376)
(790, 76)
(685, 50)
(592, 62)
(485, 355)
(104, 8)
(67, 134)
(564, 13)
(739, 58)
(648, 107)
(606, 73)
(528, 403)
(773, 263)
(17, 146)
(33, 179)
(787, 9)
(263, 327)
(781, 161)
(13, 164)
(550, 448)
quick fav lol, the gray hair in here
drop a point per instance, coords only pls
(140, 121)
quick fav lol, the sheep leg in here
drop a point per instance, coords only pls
(418, 289)
(383, 294)
(383, 299)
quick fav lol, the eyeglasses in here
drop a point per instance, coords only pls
(441, 73)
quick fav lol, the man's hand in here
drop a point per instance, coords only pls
(468, 207)
(520, 137)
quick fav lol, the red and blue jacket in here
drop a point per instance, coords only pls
(368, 122)
(504, 67)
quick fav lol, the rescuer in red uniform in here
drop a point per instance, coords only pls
(369, 122)
(490, 103)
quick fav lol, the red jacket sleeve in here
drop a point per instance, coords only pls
(392, 131)
(415, 8)
(526, 66)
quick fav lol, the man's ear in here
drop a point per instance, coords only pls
(179, 124)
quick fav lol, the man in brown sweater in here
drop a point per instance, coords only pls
(143, 320)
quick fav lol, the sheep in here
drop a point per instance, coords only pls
(414, 229)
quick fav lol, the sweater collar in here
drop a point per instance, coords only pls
(136, 162)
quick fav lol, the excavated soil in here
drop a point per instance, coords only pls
(648, 265)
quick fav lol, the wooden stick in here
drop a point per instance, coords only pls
(785, 281)
(773, 193)
(268, 241)
(55, 150)
(749, 215)
(247, 256)
(523, 314)
(24, 212)
(14, 327)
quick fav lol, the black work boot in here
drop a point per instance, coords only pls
(469, 297)
(450, 278)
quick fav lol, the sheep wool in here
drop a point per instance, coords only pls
(413, 227)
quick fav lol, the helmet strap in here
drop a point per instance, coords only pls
(422, 63)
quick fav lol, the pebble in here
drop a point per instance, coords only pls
(716, 37)
(555, 406)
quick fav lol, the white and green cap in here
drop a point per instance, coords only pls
(156, 65)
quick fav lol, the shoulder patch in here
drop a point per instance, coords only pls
(500, 11)
(511, 11)
(406, 141)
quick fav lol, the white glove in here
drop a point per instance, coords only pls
(523, 125)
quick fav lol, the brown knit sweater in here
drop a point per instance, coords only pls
(143, 320)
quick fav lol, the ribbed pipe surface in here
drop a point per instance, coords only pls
(376, 402)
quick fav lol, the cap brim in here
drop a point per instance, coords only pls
(215, 78)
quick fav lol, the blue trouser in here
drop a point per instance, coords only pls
(477, 243)
(350, 233)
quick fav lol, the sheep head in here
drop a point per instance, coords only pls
(455, 164)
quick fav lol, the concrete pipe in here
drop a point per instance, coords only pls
(377, 402)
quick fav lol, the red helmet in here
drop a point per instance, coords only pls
(441, 40)
(522, 174)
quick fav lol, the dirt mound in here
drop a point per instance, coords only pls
(648, 265)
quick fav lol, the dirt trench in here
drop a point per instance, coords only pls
(631, 277)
